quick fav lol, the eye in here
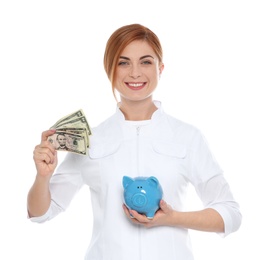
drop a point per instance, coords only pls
(122, 63)
(146, 62)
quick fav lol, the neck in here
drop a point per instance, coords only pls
(137, 111)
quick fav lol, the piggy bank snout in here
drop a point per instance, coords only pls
(139, 200)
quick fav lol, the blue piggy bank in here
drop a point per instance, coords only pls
(142, 194)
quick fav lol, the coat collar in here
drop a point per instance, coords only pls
(155, 116)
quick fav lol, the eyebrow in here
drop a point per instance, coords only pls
(141, 58)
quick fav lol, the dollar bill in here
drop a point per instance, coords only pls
(64, 141)
(72, 133)
(80, 122)
(77, 131)
(78, 113)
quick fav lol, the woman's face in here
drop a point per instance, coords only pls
(137, 72)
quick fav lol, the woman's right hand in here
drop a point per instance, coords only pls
(45, 155)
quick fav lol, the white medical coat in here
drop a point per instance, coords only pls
(167, 148)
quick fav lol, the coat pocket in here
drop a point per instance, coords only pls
(98, 151)
(170, 149)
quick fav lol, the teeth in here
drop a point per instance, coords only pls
(135, 84)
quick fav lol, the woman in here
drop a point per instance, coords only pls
(140, 139)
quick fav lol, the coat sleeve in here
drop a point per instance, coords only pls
(211, 185)
(64, 185)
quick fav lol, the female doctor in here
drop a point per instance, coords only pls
(139, 139)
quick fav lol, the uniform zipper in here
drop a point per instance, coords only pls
(138, 128)
(137, 148)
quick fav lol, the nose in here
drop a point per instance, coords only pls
(135, 72)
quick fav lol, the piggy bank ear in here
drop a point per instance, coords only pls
(126, 181)
(152, 181)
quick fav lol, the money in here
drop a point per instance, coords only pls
(72, 133)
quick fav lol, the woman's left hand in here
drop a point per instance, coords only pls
(162, 217)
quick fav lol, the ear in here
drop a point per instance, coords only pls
(161, 68)
(153, 181)
(126, 181)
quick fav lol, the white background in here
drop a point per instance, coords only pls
(221, 66)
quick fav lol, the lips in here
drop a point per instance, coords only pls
(135, 85)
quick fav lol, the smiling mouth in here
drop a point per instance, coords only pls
(137, 85)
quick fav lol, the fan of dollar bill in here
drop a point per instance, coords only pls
(72, 133)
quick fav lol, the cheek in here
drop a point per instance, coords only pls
(155, 75)
(119, 76)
